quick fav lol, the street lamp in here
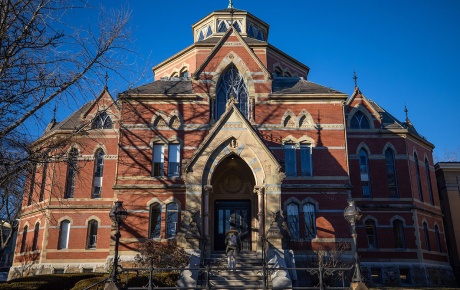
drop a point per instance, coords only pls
(352, 214)
(117, 214)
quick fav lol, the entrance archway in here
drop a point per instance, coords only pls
(234, 204)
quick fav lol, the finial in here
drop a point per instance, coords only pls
(230, 4)
(54, 112)
(407, 112)
(106, 80)
(355, 78)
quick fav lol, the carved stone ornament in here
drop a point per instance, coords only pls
(233, 144)
(233, 183)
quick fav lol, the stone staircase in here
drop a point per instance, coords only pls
(248, 273)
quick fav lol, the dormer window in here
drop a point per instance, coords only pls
(102, 121)
(224, 25)
(255, 32)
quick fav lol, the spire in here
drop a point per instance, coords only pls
(355, 78)
(407, 112)
(54, 113)
(230, 4)
(106, 80)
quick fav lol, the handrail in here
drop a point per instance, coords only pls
(95, 284)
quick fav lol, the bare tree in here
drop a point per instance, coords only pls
(44, 59)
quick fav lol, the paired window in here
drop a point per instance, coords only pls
(359, 121)
(391, 173)
(64, 231)
(290, 159)
(371, 233)
(102, 121)
(98, 173)
(155, 221)
(24, 239)
(398, 230)
(364, 173)
(35, 241)
(173, 160)
(428, 180)
(309, 220)
(427, 237)
(71, 173)
(231, 84)
(438, 238)
(91, 239)
(419, 182)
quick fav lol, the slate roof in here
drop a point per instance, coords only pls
(71, 122)
(296, 85)
(172, 86)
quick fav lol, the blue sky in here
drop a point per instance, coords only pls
(404, 52)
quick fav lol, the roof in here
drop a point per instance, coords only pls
(170, 86)
(71, 122)
(295, 85)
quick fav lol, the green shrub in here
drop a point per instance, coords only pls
(47, 282)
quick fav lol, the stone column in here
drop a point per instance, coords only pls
(259, 190)
(207, 192)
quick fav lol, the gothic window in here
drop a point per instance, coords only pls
(289, 122)
(222, 27)
(290, 162)
(371, 234)
(278, 72)
(391, 173)
(426, 236)
(364, 173)
(232, 84)
(98, 173)
(184, 73)
(159, 122)
(175, 122)
(438, 238)
(359, 121)
(417, 174)
(428, 180)
(172, 219)
(305, 159)
(293, 220)
(398, 230)
(24, 239)
(287, 74)
(91, 238)
(71, 173)
(155, 221)
(43, 185)
(310, 220)
(64, 231)
(158, 160)
(255, 32)
(173, 159)
(102, 121)
(35, 241)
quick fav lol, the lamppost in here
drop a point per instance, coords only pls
(352, 214)
(117, 214)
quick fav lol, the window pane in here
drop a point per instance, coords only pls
(155, 220)
(310, 220)
(172, 218)
(158, 160)
(305, 159)
(371, 234)
(398, 229)
(427, 237)
(64, 234)
(173, 160)
(293, 220)
(290, 160)
(364, 173)
(92, 234)
(428, 179)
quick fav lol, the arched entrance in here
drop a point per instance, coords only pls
(234, 204)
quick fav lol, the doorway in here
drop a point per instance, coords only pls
(232, 214)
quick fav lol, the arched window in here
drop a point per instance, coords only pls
(91, 238)
(24, 239)
(427, 237)
(71, 173)
(419, 182)
(158, 160)
(309, 212)
(359, 121)
(64, 231)
(98, 173)
(278, 72)
(391, 173)
(293, 220)
(398, 230)
(290, 159)
(428, 180)
(102, 121)
(287, 74)
(371, 233)
(364, 172)
(231, 84)
(35, 241)
(32, 174)
(184, 73)
(438, 238)
(172, 219)
(155, 221)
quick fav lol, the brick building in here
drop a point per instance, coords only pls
(232, 131)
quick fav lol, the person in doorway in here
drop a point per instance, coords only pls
(233, 242)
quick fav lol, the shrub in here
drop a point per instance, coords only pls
(46, 282)
(162, 254)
